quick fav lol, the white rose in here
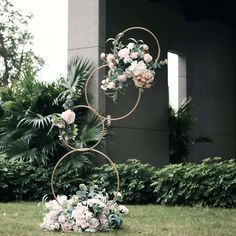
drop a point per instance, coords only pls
(93, 223)
(111, 85)
(103, 55)
(130, 46)
(123, 52)
(127, 59)
(104, 87)
(68, 116)
(123, 210)
(137, 67)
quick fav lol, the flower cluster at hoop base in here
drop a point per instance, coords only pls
(128, 63)
(87, 211)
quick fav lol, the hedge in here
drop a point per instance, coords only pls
(211, 183)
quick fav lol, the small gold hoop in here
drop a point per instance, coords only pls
(102, 131)
(82, 150)
(104, 117)
(120, 35)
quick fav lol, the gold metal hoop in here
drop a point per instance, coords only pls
(104, 117)
(120, 35)
(102, 131)
(82, 150)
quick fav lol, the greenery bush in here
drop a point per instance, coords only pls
(21, 181)
(212, 184)
(135, 181)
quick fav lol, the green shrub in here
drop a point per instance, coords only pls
(135, 181)
(212, 183)
(21, 181)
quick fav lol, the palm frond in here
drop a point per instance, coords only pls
(91, 132)
(77, 70)
(36, 121)
(20, 150)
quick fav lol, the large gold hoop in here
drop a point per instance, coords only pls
(104, 117)
(82, 150)
(102, 130)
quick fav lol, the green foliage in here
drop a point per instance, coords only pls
(77, 71)
(180, 124)
(135, 181)
(26, 119)
(212, 183)
(22, 181)
(26, 111)
(15, 42)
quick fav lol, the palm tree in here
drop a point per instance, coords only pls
(180, 123)
(25, 117)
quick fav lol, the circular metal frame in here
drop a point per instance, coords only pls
(120, 35)
(82, 150)
(102, 118)
(102, 131)
(103, 66)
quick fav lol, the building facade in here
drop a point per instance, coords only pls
(205, 43)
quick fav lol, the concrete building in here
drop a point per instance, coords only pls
(203, 34)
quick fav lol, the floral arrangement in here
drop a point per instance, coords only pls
(131, 62)
(65, 122)
(87, 211)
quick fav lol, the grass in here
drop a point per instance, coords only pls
(23, 218)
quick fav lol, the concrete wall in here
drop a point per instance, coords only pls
(86, 38)
(212, 83)
(209, 49)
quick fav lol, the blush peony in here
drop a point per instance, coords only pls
(68, 116)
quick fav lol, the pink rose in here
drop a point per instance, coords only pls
(121, 78)
(145, 47)
(110, 57)
(111, 65)
(53, 214)
(134, 55)
(61, 219)
(123, 53)
(103, 219)
(147, 58)
(68, 116)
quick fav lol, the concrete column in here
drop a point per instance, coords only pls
(86, 38)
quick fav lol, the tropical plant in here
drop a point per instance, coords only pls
(26, 131)
(25, 120)
(180, 123)
(77, 72)
(15, 41)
